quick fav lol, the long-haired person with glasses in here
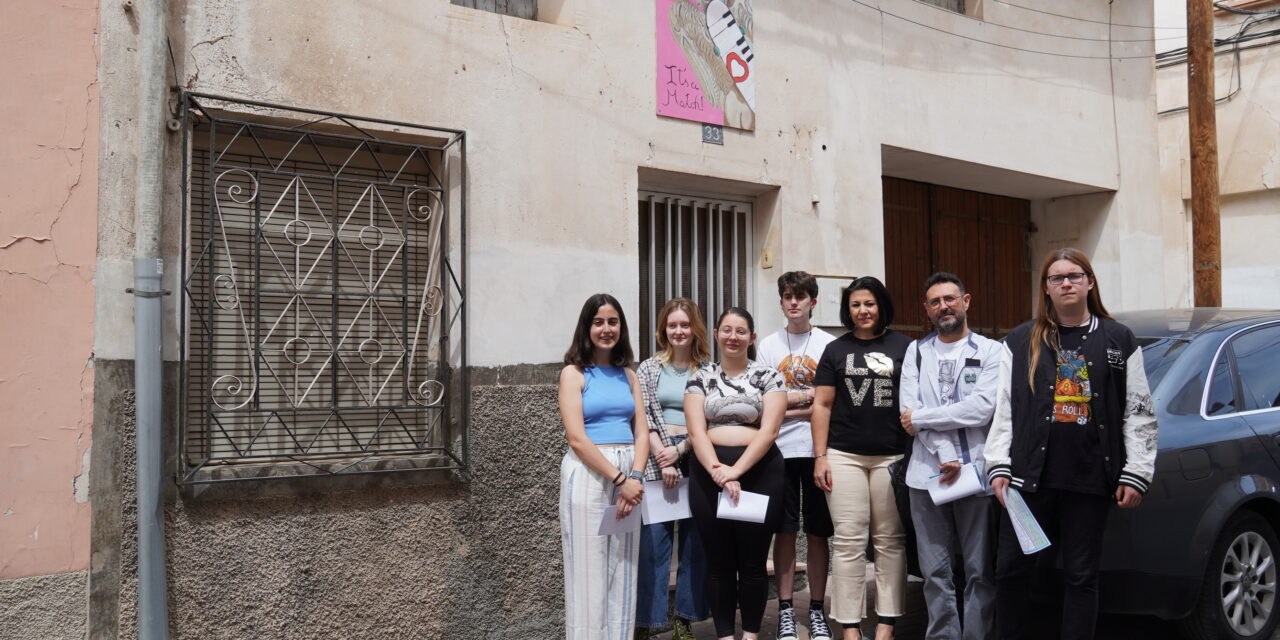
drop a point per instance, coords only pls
(856, 436)
(682, 350)
(600, 405)
(734, 409)
(1074, 433)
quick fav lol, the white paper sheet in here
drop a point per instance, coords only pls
(968, 483)
(610, 525)
(751, 507)
(661, 504)
(1030, 536)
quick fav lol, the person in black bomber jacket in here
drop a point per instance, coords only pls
(1074, 431)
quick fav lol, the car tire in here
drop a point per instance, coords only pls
(1238, 598)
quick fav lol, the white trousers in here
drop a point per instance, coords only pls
(599, 571)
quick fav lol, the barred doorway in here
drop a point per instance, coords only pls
(698, 248)
(981, 237)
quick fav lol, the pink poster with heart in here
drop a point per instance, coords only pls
(706, 61)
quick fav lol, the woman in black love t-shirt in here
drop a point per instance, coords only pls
(856, 435)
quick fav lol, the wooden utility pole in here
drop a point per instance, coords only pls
(1206, 245)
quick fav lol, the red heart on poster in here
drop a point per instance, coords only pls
(738, 76)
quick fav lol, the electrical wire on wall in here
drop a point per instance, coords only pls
(1237, 44)
(1108, 39)
(1172, 56)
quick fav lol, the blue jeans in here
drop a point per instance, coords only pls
(655, 572)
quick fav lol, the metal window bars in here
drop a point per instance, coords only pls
(323, 318)
(694, 247)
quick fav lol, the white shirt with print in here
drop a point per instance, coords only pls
(796, 358)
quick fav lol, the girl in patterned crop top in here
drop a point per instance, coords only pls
(599, 400)
(734, 409)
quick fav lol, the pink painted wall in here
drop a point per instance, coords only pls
(48, 234)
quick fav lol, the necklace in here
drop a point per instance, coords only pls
(796, 361)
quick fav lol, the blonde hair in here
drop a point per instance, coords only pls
(699, 352)
(1044, 332)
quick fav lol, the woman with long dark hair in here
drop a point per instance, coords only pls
(734, 409)
(856, 436)
(1074, 432)
(682, 350)
(608, 437)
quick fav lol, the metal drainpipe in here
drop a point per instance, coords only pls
(148, 266)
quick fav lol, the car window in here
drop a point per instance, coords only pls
(1257, 354)
(1158, 356)
(1222, 395)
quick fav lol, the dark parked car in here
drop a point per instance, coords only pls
(1202, 547)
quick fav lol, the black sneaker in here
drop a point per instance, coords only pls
(818, 629)
(787, 624)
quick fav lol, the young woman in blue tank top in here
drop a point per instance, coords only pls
(608, 445)
(682, 349)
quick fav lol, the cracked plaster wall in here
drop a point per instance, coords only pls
(48, 227)
(1248, 172)
(560, 118)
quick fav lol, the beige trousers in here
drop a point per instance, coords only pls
(861, 504)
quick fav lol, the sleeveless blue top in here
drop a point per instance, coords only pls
(607, 405)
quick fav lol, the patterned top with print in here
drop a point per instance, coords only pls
(734, 400)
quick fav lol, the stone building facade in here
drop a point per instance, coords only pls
(563, 148)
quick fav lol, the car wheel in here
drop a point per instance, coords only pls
(1238, 597)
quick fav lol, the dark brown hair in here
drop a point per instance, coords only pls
(878, 291)
(751, 326)
(580, 350)
(798, 282)
(1044, 331)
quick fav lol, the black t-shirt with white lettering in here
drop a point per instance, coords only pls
(1074, 460)
(865, 374)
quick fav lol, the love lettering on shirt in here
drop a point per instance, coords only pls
(874, 379)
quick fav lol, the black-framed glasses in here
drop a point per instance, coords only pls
(1075, 278)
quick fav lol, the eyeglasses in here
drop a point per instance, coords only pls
(939, 302)
(1075, 278)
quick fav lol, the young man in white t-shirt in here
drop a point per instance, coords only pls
(795, 350)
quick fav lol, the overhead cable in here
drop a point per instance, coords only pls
(1066, 37)
(997, 44)
(1131, 26)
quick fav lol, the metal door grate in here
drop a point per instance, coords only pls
(698, 248)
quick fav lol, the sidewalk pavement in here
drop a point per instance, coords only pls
(911, 625)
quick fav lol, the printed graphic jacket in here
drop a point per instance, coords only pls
(1121, 407)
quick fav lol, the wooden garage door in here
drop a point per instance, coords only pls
(982, 238)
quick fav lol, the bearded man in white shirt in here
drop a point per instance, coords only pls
(948, 397)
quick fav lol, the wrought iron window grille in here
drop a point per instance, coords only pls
(323, 324)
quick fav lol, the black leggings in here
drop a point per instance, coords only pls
(737, 551)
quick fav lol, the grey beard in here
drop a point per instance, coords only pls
(956, 322)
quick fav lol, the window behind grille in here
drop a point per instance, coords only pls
(323, 296)
(692, 247)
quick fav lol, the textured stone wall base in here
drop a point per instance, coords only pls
(50, 607)
(444, 557)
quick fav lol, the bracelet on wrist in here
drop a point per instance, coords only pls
(618, 479)
(820, 455)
